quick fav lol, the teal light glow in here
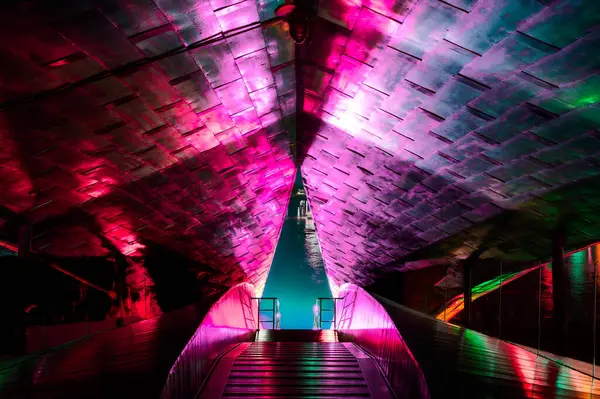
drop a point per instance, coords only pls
(592, 99)
(481, 345)
(297, 275)
(6, 252)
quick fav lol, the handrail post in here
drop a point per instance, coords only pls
(334, 310)
(273, 314)
(274, 310)
(257, 312)
(334, 314)
(320, 313)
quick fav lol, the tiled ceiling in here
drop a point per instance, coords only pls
(166, 121)
(174, 122)
(425, 118)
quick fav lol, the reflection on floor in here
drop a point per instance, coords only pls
(132, 361)
(474, 365)
(519, 305)
(298, 364)
(299, 369)
(583, 367)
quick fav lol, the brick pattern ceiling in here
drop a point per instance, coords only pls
(166, 121)
(173, 122)
(425, 118)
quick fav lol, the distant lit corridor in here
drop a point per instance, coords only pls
(297, 275)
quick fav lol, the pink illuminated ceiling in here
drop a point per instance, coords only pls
(166, 121)
(174, 121)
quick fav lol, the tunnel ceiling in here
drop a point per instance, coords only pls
(174, 122)
(426, 118)
(167, 121)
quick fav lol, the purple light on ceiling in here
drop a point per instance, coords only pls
(265, 100)
(238, 15)
(247, 120)
(341, 12)
(256, 70)
(348, 122)
(413, 120)
(189, 151)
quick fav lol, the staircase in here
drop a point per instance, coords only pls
(296, 336)
(289, 363)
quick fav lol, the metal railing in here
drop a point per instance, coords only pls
(247, 303)
(348, 306)
(333, 310)
(274, 310)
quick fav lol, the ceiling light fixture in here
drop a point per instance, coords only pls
(297, 14)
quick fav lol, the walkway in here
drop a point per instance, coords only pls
(474, 365)
(134, 362)
(285, 363)
(127, 362)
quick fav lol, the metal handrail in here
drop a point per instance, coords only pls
(275, 318)
(346, 312)
(321, 310)
(247, 311)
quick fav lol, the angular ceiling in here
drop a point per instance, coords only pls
(426, 118)
(166, 121)
(174, 122)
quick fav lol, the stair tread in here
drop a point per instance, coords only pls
(269, 389)
(285, 374)
(304, 396)
(292, 382)
(293, 369)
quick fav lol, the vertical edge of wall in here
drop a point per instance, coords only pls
(228, 322)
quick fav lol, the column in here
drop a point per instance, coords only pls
(467, 290)
(468, 265)
(560, 292)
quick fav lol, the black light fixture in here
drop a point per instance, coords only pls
(297, 13)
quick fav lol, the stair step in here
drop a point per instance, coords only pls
(296, 370)
(306, 396)
(339, 390)
(315, 375)
(297, 336)
(295, 381)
